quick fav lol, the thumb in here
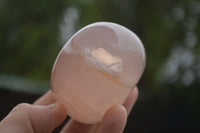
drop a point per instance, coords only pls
(33, 118)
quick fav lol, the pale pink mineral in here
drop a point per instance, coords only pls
(96, 69)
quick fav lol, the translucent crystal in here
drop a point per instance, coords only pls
(96, 69)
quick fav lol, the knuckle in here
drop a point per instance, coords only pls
(20, 107)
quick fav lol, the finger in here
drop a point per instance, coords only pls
(46, 99)
(33, 118)
(114, 120)
(77, 127)
(130, 101)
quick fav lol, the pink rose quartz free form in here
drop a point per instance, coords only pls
(96, 69)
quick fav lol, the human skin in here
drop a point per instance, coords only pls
(46, 114)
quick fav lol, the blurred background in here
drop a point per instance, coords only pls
(33, 32)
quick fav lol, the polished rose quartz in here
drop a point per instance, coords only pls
(96, 69)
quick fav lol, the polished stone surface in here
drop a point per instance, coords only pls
(96, 69)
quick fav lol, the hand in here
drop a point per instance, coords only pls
(45, 115)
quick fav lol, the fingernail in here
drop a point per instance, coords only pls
(51, 106)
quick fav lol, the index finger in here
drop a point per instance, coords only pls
(130, 101)
(46, 99)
